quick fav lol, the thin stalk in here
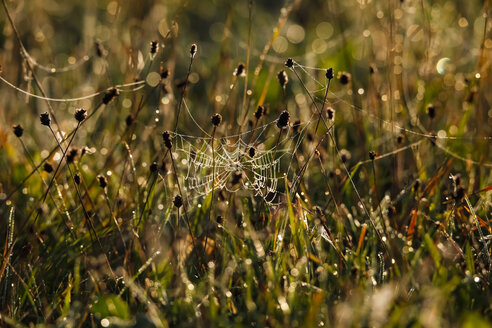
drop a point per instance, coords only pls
(184, 202)
(377, 196)
(183, 94)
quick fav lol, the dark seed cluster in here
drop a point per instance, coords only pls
(283, 119)
(178, 201)
(80, 114)
(216, 119)
(289, 63)
(109, 95)
(45, 119)
(103, 182)
(283, 79)
(239, 71)
(166, 137)
(18, 130)
(329, 73)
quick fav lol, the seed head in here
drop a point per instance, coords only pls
(329, 73)
(76, 178)
(239, 71)
(164, 72)
(431, 111)
(219, 219)
(259, 112)
(330, 112)
(416, 185)
(47, 167)
(103, 182)
(193, 50)
(252, 152)
(166, 136)
(109, 95)
(216, 119)
(154, 167)
(154, 47)
(80, 114)
(18, 130)
(178, 201)
(283, 79)
(345, 155)
(344, 77)
(129, 120)
(289, 63)
(283, 119)
(72, 154)
(400, 139)
(372, 155)
(45, 119)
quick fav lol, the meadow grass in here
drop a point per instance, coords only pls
(249, 163)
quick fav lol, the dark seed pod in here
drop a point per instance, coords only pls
(47, 167)
(329, 73)
(76, 178)
(178, 201)
(219, 219)
(154, 47)
(239, 71)
(154, 167)
(45, 119)
(344, 77)
(330, 112)
(80, 114)
(18, 130)
(129, 120)
(259, 112)
(109, 95)
(372, 155)
(372, 69)
(252, 152)
(216, 119)
(72, 154)
(166, 137)
(416, 185)
(103, 182)
(289, 63)
(193, 50)
(400, 139)
(283, 119)
(345, 155)
(431, 111)
(164, 72)
(283, 79)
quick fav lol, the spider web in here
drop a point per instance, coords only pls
(235, 169)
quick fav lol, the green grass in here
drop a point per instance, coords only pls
(342, 238)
